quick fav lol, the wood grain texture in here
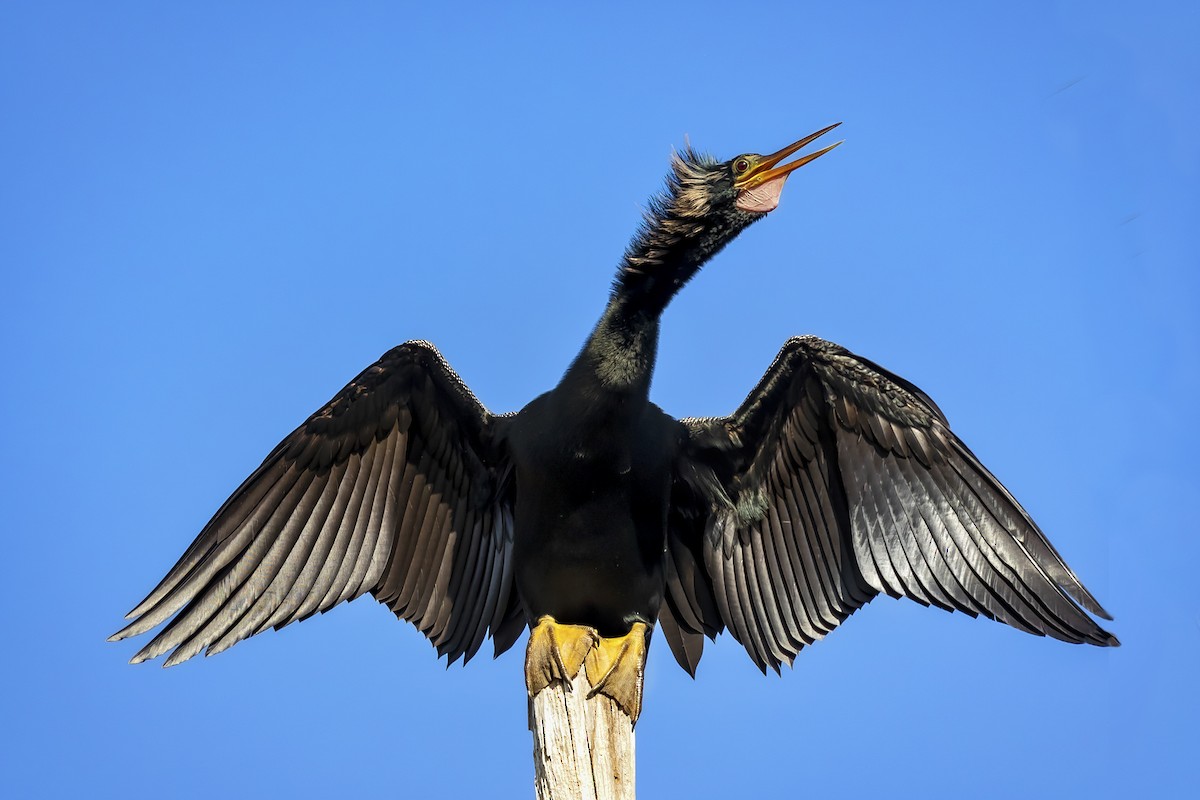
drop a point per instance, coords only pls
(583, 747)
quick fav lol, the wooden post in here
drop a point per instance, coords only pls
(583, 747)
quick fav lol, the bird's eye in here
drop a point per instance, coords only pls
(741, 165)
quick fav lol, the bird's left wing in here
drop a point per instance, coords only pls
(834, 481)
(392, 488)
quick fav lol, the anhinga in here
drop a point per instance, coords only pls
(591, 515)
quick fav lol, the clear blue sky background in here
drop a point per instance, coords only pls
(212, 217)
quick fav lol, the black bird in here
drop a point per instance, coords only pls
(591, 515)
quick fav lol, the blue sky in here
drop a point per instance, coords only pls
(212, 217)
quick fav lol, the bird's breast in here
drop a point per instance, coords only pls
(591, 511)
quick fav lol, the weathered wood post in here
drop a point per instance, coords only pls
(583, 747)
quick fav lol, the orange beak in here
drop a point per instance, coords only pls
(764, 170)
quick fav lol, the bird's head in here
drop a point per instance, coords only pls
(706, 203)
(757, 181)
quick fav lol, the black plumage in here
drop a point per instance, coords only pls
(833, 482)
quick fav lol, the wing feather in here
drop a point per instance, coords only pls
(766, 605)
(501, 611)
(219, 602)
(317, 543)
(460, 629)
(295, 558)
(367, 555)
(795, 618)
(323, 594)
(742, 600)
(256, 595)
(804, 550)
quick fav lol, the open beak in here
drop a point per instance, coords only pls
(765, 169)
(759, 187)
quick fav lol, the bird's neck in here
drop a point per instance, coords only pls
(655, 267)
(618, 357)
(672, 245)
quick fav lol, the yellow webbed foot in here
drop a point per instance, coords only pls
(616, 668)
(556, 652)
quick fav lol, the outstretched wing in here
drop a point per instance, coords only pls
(392, 488)
(837, 480)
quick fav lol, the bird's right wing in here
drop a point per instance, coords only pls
(391, 488)
(834, 481)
